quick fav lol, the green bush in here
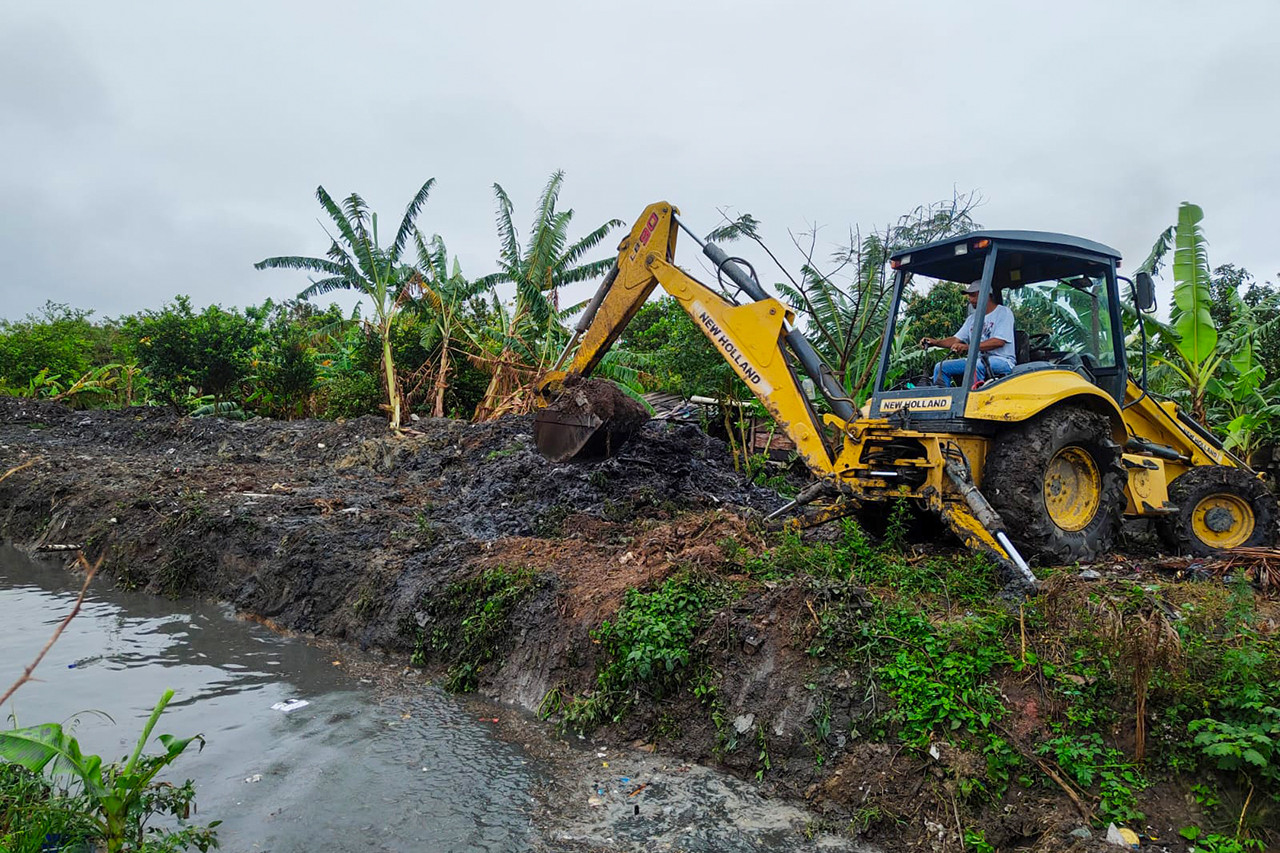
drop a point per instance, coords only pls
(469, 622)
(115, 802)
(59, 342)
(649, 643)
(32, 809)
(1248, 742)
(187, 355)
(350, 394)
(287, 372)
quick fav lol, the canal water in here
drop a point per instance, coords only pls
(346, 771)
(302, 755)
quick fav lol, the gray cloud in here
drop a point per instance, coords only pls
(152, 148)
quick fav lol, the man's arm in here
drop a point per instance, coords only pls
(991, 343)
(950, 342)
(956, 343)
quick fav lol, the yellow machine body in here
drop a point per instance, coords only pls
(841, 452)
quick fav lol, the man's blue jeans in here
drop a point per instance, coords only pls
(951, 371)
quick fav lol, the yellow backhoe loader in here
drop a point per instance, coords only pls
(1044, 461)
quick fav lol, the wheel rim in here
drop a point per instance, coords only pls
(1223, 521)
(1072, 488)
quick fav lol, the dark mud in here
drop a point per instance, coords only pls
(347, 533)
(337, 529)
(588, 419)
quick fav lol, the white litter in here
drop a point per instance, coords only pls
(290, 705)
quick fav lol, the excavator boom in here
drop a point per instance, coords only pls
(753, 338)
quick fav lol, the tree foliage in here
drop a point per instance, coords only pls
(357, 261)
(59, 341)
(189, 355)
(526, 338)
(676, 356)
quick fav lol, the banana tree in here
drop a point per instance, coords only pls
(441, 295)
(357, 261)
(530, 332)
(1247, 407)
(122, 797)
(1192, 353)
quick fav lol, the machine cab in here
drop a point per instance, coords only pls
(1063, 294)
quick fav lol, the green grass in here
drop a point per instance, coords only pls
(468, 623)
(650, 643)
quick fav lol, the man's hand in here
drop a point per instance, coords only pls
(959, 347)
(925, 343)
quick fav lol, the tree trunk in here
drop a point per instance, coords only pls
(389, 370)
(510, 390)
(442, 380)
(1197, 406)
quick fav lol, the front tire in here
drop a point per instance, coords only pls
(1058, 484)
(1219, 507)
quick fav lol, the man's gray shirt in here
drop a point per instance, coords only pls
(997, 324)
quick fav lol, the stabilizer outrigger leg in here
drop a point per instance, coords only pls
(981, 526)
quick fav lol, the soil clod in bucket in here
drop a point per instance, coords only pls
(590, 419)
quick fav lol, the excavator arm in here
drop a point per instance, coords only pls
(751, 337)
(756, 338)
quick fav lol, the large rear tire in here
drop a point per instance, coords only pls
(1219, 507)
(1058, 484)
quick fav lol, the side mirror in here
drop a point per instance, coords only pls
(1144, 292)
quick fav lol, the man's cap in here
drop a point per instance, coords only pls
(973, 286)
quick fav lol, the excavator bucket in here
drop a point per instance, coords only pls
(561, 436)
(590, 419)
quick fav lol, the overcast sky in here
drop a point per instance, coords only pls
(152, 149)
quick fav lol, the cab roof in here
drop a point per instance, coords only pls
(1025, 256)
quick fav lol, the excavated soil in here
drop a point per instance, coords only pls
(342, 531)
(618, 418)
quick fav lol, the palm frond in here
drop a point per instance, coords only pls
(1158, 250)
(546, 207)
(349, 233)
(356, 210)
(509, 250)
(624, 375)
(587, 243)
(342, 258)
(585, 272)
(326, 285)
(535, 301)
(1190, 314)
(297, 262)
(545, 244)
(429, 255)
(410, 215)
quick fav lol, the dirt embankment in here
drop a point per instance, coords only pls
(343, 531)
(340, 529)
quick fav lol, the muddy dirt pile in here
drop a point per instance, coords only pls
(587, 419)
(334, 528)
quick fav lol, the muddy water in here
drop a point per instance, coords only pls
(345, 772)
(355, 768)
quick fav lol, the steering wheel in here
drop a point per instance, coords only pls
(914, 380)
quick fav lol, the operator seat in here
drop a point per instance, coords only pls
(1021, 347)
